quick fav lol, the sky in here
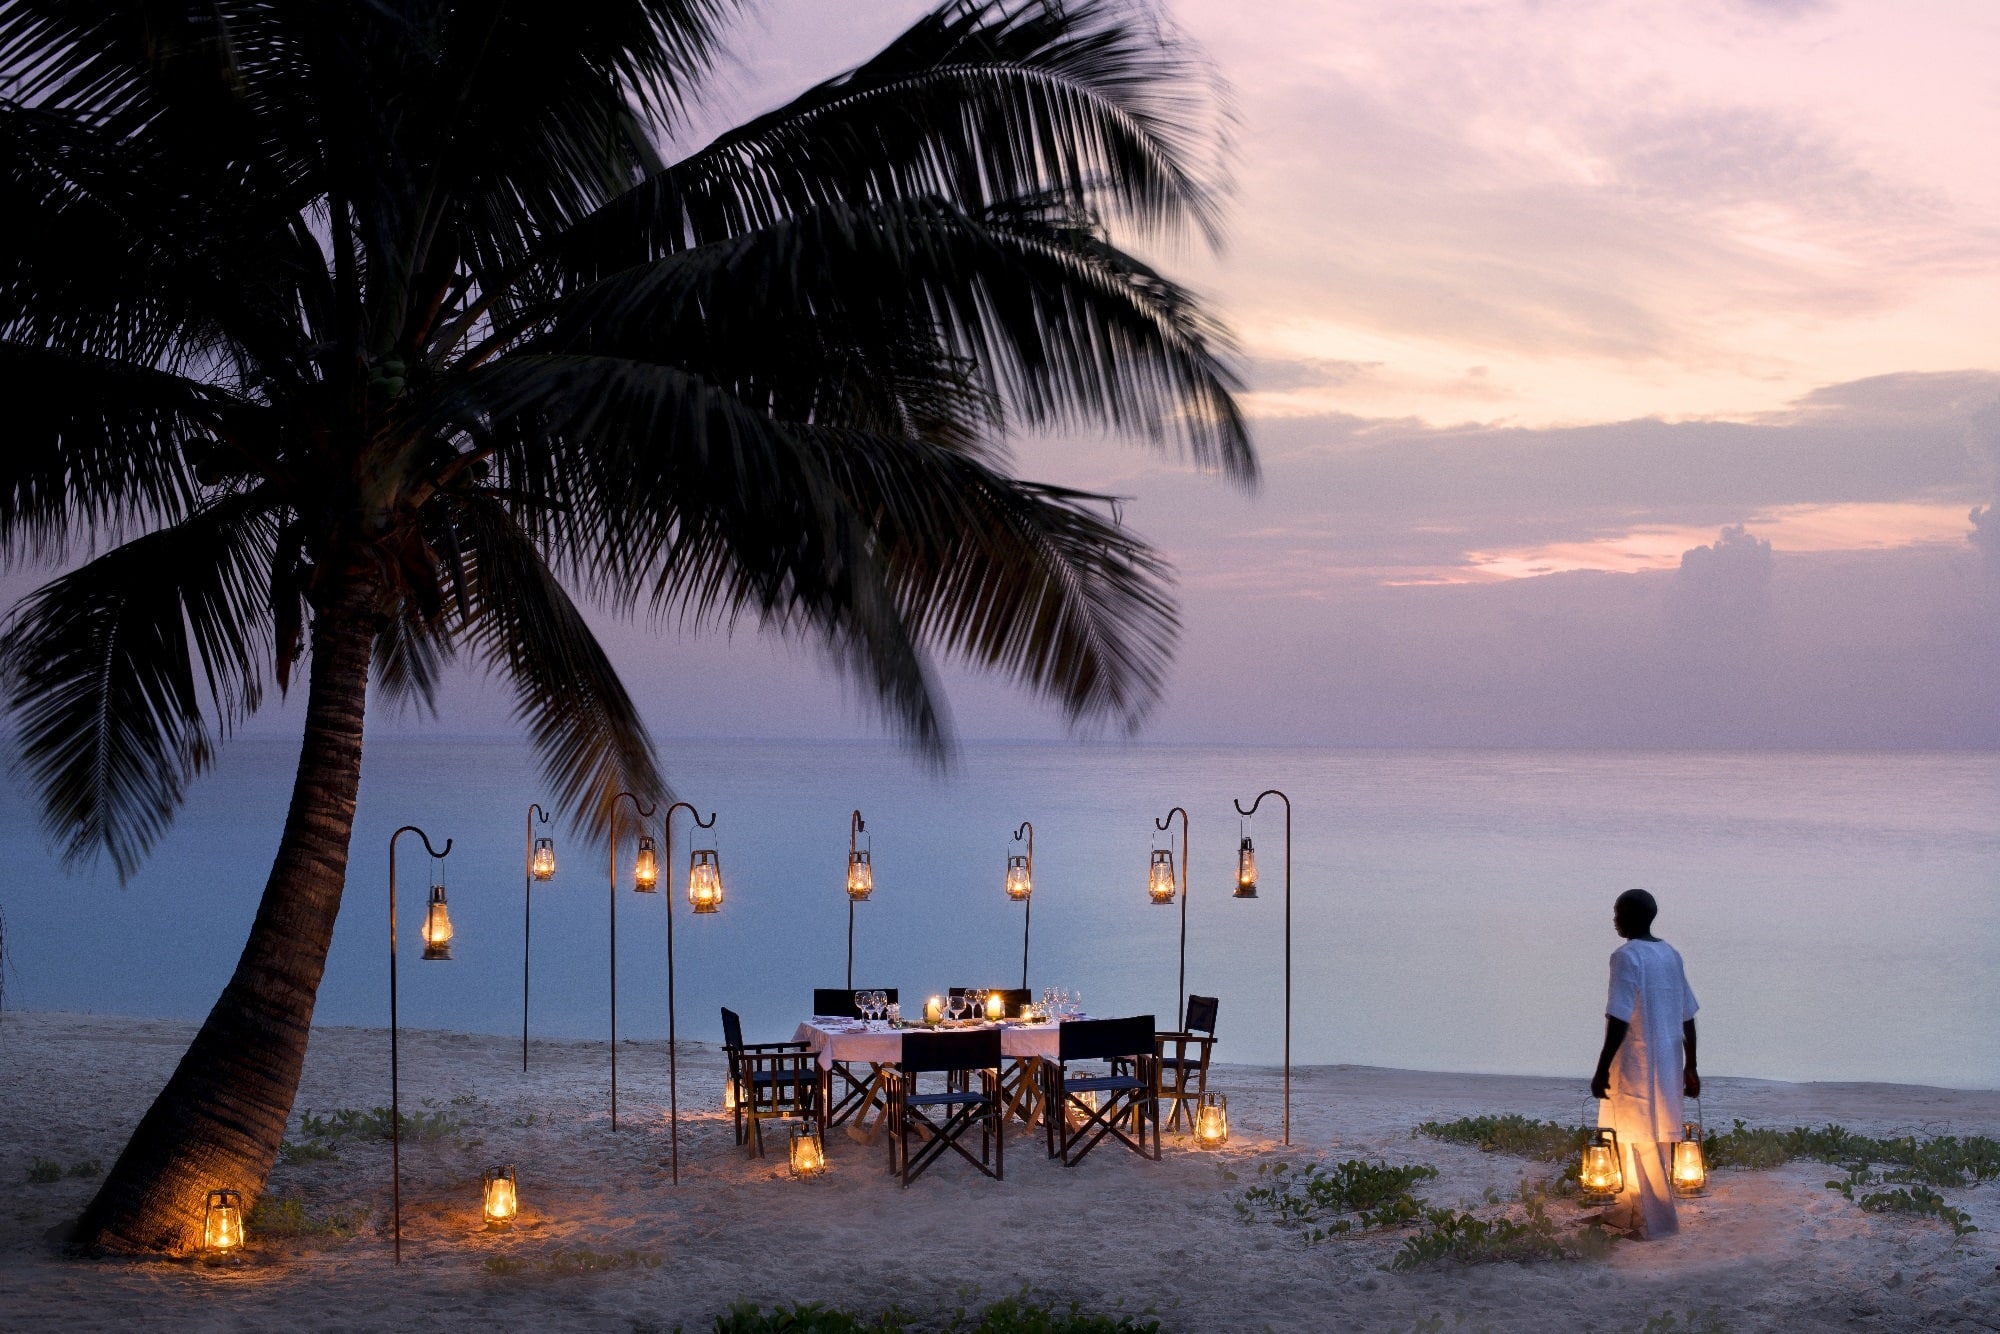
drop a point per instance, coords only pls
(1623, 374)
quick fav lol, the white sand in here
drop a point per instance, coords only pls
(1766, 1250)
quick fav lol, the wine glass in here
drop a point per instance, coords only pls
(881, 1004)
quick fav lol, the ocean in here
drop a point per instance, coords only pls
(1451, 910)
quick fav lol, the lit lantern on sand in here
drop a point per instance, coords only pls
(222, 1222)
(1690, 1167)
(729, 1094)
(1211, 1121)
(996, 1007)
(1246, 870)
(543, 864)
(503, 1197)
(645, 867)
(437, 925)
(934, 1010)
(808, 1153)
(860, 875)
(704, 881)
(1019, 884)
(1602, 1174)
(1160, 884)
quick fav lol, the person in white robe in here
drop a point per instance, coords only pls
(1647, 1064)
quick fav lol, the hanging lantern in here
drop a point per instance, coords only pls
(704, 880)
(543, 864)
(996, 1007)
(1690, 1166)
(1602, 1174)
(1246, 870)
(437, 926)
(1211, 1121)
(808, 1153)
(503, 1197)
(222, 1222)
(1019, 883)
(1160, 884)
(860, 875)
(645, 867)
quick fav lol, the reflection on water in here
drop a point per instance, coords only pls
(1451, 909)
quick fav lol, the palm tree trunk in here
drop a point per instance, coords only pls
(220, 1119)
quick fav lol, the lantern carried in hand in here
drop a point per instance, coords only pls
(1160, 884)
(502, 1197)
(808, 1153)
(1603, 1173)
(1020, 883)
(543, 864)
(704, 880)
(437, 925)
(222, 1222)
(860, 875)
(645, 867)
(1246, 870)
(1211, 1121)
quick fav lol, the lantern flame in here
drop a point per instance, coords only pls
(1160, 884)
(860, 875)
(543, 864)
(1602, 1173)
(808, 1154)
(1211, 1122)
(645, 867)
(1690, 1165)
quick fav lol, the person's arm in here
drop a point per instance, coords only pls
(1690, 1081)
(1614, 1037)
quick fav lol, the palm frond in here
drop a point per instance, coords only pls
(100, 668)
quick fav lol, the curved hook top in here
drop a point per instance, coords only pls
(645, 811)
(699, 823)
(535, 809)
(1168, 818)
(412, 829)
(856, 824)
(1027, 827)
(1267, 792)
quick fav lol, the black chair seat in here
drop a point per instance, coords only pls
(942, 1099)
(1076, 1123)
(1103, 1083)
(764, 1077)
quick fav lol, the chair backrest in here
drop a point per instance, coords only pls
(977, 1050)
(1102, 1039)
(840, 1001)
(732, 1030)
(1014, 998)
(1201, 1014)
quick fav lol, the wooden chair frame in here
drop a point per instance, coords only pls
(957, 1056)
(778, 1079)
(1126, 1096)
(1176, 1068)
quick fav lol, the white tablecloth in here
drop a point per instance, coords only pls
(875, 1043)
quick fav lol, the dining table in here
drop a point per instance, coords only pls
(878, 1044)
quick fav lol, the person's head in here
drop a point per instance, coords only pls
(1633, 914)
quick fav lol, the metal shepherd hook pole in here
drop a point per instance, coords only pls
(855, 825)
(1273, 792)
(395, 1089)
(1027, 903)
(527, 899)
(645, 813)
(1180, 1014)
(673, 1049)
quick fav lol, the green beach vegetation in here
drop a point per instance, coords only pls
(344, 343)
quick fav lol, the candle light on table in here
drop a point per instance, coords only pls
(934, 1010)
(996, 1008)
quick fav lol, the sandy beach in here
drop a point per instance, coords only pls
(1763, 1250)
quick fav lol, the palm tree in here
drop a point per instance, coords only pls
(364, 336)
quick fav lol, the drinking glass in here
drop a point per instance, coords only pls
(881, 1005)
